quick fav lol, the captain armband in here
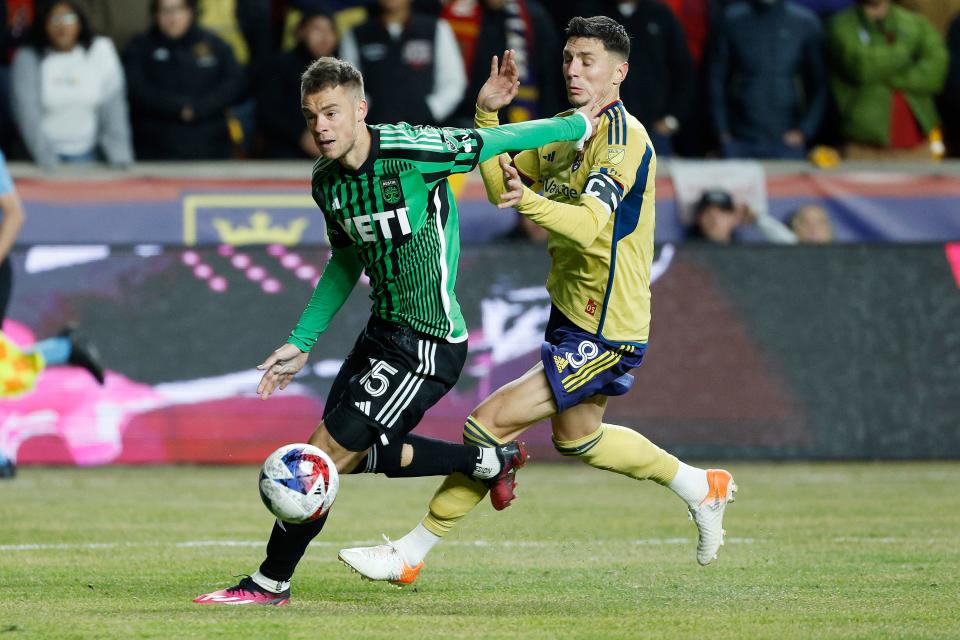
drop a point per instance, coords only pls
(605, 189)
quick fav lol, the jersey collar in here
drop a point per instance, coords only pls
(612, 105)
(371, 157)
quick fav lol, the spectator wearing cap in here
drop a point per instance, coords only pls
(182, 80)
(662, 98)
(715, 217)
(411, 64)
(67, 90)
(485, 28)
(887, 64)
(767, 81)
(277, 89)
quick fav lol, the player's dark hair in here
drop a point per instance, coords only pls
(327, 72)
(607, 30)
(37, 36)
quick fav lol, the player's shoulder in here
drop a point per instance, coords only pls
(404, 136)
(619, 129)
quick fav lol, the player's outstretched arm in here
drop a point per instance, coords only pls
(338, 279)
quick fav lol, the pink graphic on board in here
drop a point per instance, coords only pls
(69, 419)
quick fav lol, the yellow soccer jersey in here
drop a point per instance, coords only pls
(600, 283)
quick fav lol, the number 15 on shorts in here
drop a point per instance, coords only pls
(375, 382)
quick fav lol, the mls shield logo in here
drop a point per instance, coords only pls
(615, 156)
(390, 188)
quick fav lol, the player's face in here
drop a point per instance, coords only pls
(334, 116)
(591, 72)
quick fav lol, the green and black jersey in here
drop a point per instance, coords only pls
(396, 218)
(399, 213)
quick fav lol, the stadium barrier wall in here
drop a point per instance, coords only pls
(236, 203)
(835, 352)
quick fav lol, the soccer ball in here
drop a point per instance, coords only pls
(298, 483)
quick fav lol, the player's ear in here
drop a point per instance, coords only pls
(620, 73)
(362, 109)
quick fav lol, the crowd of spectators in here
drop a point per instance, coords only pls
(215, 79)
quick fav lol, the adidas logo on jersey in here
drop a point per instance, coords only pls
(561, 363)
(390, 223)
(550, 156)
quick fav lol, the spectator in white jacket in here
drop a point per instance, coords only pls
(68, 93)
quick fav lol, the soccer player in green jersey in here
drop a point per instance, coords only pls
(598, 207)
(389, 212)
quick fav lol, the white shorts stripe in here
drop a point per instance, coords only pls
(409, 379)
(413, 394)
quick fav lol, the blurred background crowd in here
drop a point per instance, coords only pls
(113, 81)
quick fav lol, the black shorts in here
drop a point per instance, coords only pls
(389, 380)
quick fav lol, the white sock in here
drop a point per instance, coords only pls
(416, 545)
(488, 464)
(273, 586)
(690, 483)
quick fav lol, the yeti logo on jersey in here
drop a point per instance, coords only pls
(392, 224)
(391, 190)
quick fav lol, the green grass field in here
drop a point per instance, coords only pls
(813, 551)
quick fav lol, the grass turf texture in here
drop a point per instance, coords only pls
(814, 551)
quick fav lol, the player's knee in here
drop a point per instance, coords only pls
(343, 458)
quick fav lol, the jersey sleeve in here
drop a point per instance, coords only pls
(337, 281)
(613, 169)
(437, 152)
(527, 164)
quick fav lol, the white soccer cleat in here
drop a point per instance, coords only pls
(708, 515)
(382, 562)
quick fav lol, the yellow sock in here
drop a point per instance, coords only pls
(624, 451)
(459, 494)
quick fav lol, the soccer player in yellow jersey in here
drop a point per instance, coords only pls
(598, 207)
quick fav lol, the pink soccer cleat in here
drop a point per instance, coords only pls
(246, 592)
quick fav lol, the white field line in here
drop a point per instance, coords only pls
(535, 544)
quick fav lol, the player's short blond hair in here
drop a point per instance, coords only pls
(327, 72)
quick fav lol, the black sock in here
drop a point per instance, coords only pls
(430, 458)
(288, 542)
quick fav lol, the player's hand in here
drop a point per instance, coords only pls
(279, 369)
(501, 87)
(592, 110)
(512, 183)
